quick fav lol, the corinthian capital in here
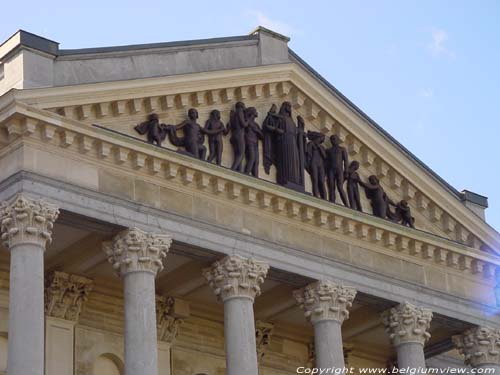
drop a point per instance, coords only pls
(27, 221)
(407, 323)
(480, 346)
(325, 300)
(135, 250)
(235, 276)
(65, 295)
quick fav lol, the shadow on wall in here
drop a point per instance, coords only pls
(108, 364)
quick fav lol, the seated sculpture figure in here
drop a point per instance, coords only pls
(402, 214)
(378, 198)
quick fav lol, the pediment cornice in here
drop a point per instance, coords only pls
(405, 177)
(98, 146)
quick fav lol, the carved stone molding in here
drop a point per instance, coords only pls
(168, 324)
(325, 300)
(263, 333)
(135, 250)
(65, 295)
(26, 220)
(235, 276)
(480, 346)
(407, 323)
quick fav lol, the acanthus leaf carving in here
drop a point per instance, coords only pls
(407, 323)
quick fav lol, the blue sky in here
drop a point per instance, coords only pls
(426, 71)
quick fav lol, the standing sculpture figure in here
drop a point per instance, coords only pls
(237, 125)
(301, 142)
(315, 156)
(252, 136)
(156, 132)
(284, 141)
(378, 198)
(336, 165)
(269, 127)
(215, 129)
(352, 177)
(193, 137)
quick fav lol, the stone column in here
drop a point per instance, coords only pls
(326, 306)
(407, 327)
(236, 282)
(137, 257)
(481, 347)
(26, 227)
(65, 295)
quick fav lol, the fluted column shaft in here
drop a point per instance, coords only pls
(480, 347)
(137, 257)
(407, 327)
(26, 228)
(326, 305)
(236, 282)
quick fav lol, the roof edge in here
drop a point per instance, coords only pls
(23, 38)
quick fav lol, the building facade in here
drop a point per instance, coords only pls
(126, 251)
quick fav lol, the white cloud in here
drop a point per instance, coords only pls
(274, 24)
(438, 46)
(426, 93)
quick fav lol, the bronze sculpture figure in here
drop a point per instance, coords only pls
(352, 177)
(315, 156)
(155, 132)
(378, 198)
(237, 126)
(193, 140)
(336, 165)
(283, 139)
(402, 214)
(269, 127)
(301, 142)
(252, 136)
(215, 129)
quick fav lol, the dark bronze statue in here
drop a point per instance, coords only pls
(402, 214)
(252, 136)
(215, 129)
(301, 142)
(269, 127)
(378, 198)
(237, 126)
(283, 139)
(193, 140)
(336, 165)
(315, 157)
(155, 132)
(352, 178)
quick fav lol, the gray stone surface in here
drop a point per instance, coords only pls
(141, 352)
(328, 344)
(411, 355)
(239, 336)
(26, 311)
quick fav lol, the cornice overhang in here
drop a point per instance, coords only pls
(22, 123)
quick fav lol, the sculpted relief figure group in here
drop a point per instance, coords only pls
(287, 146)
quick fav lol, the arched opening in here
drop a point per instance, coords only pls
(108, 364)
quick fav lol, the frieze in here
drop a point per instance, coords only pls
(109, 148)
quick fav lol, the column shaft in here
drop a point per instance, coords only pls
(411, 354)
(328, 344)
(239, 335)
(26, 310)
(141, 355)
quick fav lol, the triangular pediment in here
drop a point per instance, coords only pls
(120, 106)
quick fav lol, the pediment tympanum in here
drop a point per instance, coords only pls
(104, 119)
